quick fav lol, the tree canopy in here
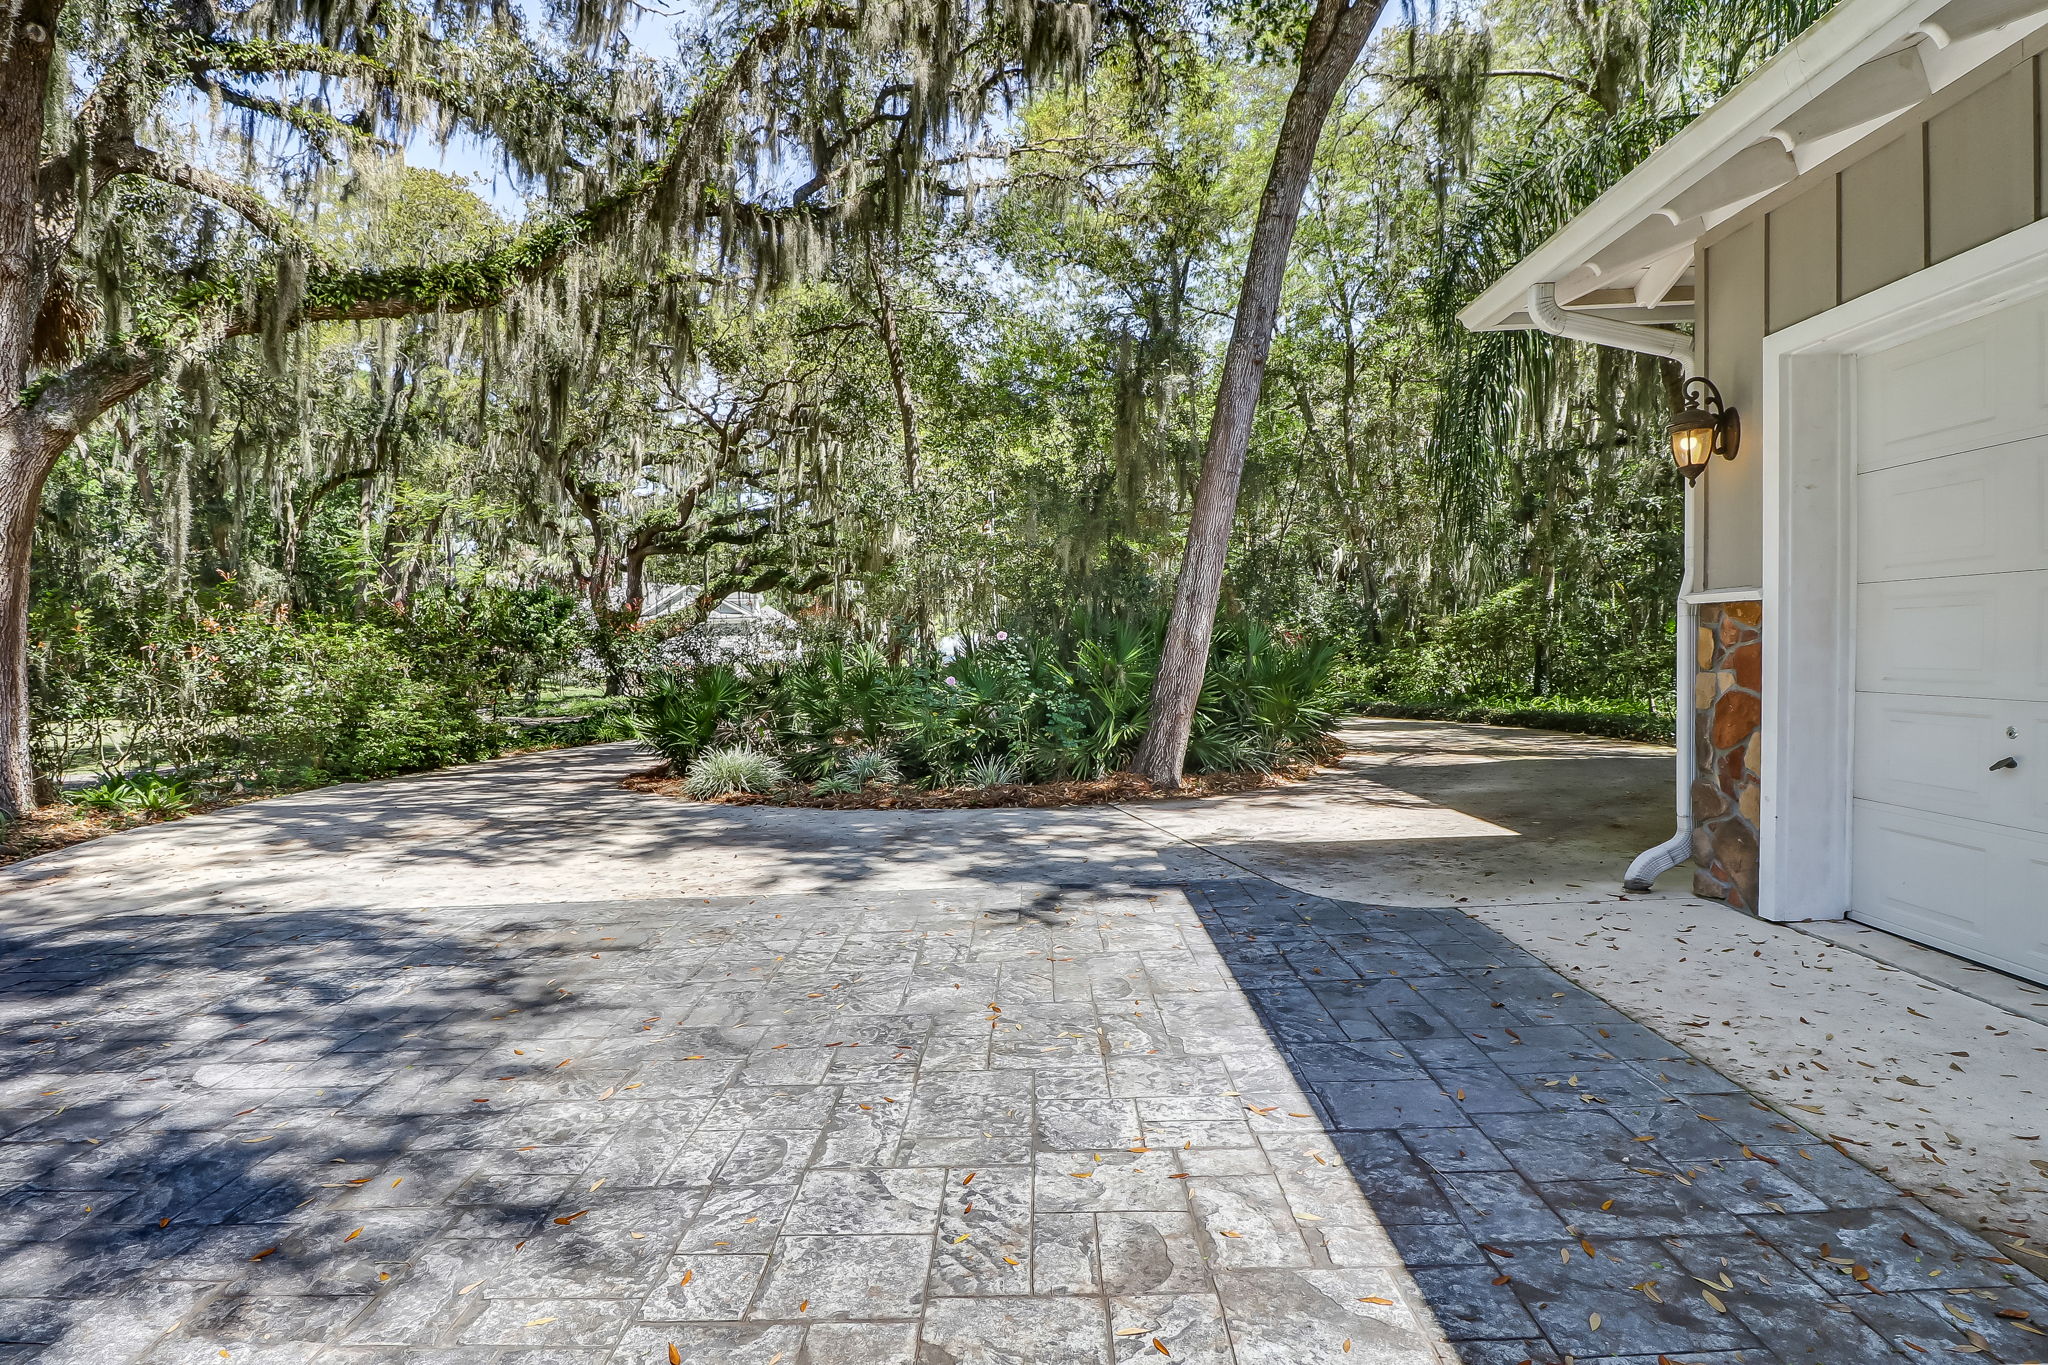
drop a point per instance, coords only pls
(909, 316)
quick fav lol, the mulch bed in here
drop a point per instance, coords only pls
(60, 826)
(1102, 791)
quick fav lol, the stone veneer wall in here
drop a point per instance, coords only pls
(1726, 751)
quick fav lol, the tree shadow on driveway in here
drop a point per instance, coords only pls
(277, 1106)
(558, 826)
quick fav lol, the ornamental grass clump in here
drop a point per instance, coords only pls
(731, 768)
(872, 765)
(992, 772)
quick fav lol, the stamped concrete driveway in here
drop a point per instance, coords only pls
(507, 1065)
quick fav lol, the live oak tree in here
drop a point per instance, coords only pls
(124, 254)
(165, 167)
(733, 464)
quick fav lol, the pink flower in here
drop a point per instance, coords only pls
(952, 682)
(1002, 635)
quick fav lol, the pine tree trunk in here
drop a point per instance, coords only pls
(1336, 35)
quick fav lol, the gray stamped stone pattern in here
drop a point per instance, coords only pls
(1564, 1185)
(912, 1129)
(897, 1130)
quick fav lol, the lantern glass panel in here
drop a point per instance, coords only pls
(1691, 447)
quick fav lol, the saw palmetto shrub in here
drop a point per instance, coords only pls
(1067, 705)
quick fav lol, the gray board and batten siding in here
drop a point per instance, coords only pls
(1953, 173)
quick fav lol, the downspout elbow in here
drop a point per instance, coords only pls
(1546, 314)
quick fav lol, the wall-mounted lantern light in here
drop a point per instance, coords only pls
(1706, 428)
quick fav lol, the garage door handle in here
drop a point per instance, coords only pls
(2004, 763)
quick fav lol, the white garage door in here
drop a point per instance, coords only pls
(1951, 755)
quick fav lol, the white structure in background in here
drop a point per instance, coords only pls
(742, 627)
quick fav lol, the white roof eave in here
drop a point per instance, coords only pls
(1932, 43)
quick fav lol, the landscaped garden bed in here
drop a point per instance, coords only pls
(1099, 791)
(1049, 721)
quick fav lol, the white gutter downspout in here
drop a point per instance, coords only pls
(1548, 315)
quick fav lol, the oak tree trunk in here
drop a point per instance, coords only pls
(1336, 35)
(899, 374)
(21, 486)
(27, 40)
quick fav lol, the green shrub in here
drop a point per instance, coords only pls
(150, 794)
(1592, 670)
(834, 697)
(1223, 750)
(1070, 704)
(501, 642)
(1571, 715)
(1262, 700)
(109, 793)
(733, 768)
(364, 709)
(607, 722)
(249, 692)
(160, 797)
(684, 714)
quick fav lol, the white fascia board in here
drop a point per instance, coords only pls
(1851, 34)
